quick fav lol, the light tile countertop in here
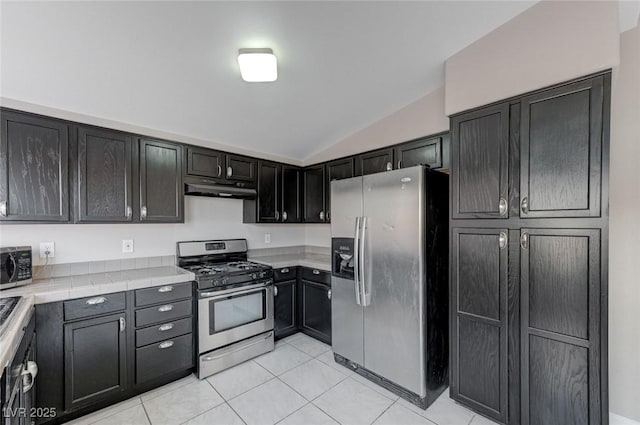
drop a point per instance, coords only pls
(314, 261)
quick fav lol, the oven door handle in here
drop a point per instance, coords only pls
(219, 356)
(217, 295)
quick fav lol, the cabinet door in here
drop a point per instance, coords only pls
(374, 162)
(204, 162)
(561, 151)
(427, 151)
(268, 192)
(314, 209)
(479, 163)
(34, 168)
(95, 360)
(161, 191)
(561, 366)
(316, 310)
(336, 170)
(104, 176)
(479, 273)
(241, 168)
(291, 191)
(285, 310)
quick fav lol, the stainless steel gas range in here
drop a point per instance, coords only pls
(235, 303)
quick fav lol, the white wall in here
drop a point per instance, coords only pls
(423, 117)
(552, 42)
(624, 232)
(205, 218)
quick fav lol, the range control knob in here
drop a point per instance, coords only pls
(253, 276)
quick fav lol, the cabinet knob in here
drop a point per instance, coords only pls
(3, 208)
(502, 207)
(229, 171)
(219, 170)
(321, 215)
(502, 240)
(524, 205)
(524, 240)
(165, 344)
(399, 164)
(329, 294)
(277, 215)
(143, 212)
(316, 272)
(328, 215)
(389, 166)
(123, 324)
(284, 216)
(275, 291)
(129, 211)
(165, 308)
(167, 288)
(285, 270)
(166, 327)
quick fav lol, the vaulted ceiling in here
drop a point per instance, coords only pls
(172, 66)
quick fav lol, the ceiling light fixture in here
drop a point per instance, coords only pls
(258, 65)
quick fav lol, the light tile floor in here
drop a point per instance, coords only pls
(298, 383)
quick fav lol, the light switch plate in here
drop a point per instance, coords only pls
(127, 245)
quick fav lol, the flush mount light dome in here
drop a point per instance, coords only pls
(258, 65)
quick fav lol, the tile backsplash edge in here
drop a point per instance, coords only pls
(88, 267)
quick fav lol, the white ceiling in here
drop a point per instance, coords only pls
(171, 66)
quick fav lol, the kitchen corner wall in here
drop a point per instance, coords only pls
(205, 218)
(624, 231)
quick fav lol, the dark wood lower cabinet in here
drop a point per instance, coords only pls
(95, 359)
(286, 308)
(316, 310)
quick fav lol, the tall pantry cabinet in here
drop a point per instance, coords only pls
(529, 247)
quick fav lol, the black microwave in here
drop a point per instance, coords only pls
(15, 266)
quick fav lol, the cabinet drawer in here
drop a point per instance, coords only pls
(170, 355)
(94, 306)
(284, 273)
(163, 294)
(163, 312)
(162, 331)
(316, 275)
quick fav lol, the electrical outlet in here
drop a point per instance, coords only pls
(267, 238)
(47, 249)
(127, 245)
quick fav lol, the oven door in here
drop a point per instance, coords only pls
(225, 317)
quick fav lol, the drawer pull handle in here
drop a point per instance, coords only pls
(164, 308)
(96, 300)
(166, 344)
(168, 288)
(284, 271)
(166, 327)
(316, 272)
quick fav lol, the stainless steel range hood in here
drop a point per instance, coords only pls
(204, 187)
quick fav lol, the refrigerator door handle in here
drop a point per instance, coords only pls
(356, 261)
(364, 296)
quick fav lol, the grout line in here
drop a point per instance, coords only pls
(234, 411)
(383, 412)
(146, 413)
(300, 408)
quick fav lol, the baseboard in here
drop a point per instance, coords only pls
(621, 420)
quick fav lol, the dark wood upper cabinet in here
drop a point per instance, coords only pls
(269, 175)
(204, 162)
(241, 168)
(336, 170)
(95, 360)
(561, 302)
(104, 176)
(374, 162)
(426, 151)
(34, 168)
(314, 194)
(479, 163)
(479, 270)
(561, 151)
(291, 194)
(161, 191)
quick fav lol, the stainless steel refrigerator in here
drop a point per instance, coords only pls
(390, 279)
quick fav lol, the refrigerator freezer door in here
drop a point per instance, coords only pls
(346, 314)
(394, 345)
